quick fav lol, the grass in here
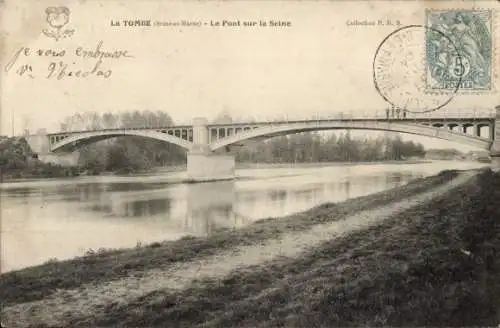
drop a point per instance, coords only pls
(435, 265)
(38, 282)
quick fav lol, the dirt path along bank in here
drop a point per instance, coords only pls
(64, 306)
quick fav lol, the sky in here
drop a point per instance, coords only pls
(321, 63)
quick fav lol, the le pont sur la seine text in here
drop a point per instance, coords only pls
(208, 23)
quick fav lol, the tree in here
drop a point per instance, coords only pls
(223, 118)
(311, 147)
(110, 121)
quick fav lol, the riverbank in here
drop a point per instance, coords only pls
(174, 175)
(326, 164)
(242, 165)
(435, 264)
(105, 265)
(58, 172)
(274, 293)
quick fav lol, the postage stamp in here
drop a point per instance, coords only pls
(459, 49)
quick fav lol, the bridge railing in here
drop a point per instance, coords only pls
(170, 127)
(380, 115)
(443, 114)
(439, 114)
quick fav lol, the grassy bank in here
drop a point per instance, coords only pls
(435, 265)
(38, 282)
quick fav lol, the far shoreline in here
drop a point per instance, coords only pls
(239, 166)
(328, 164)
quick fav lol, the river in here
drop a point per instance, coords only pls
(63, 218)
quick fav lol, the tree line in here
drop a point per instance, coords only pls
(313, 147)
(136, 153)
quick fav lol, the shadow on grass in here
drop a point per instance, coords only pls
(437, 264)
(35, 283)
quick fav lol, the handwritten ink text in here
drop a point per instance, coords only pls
(64, 62)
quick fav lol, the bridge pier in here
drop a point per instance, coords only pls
(495, 146)
(202, 163)
(202, 166)
(39, 143)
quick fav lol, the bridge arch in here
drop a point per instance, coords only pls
(467, 126)
(75, 140)
(270, 131)
(479, 129)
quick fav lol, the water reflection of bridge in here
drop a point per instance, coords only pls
(211, 206)
(194, 208)
(201, 208)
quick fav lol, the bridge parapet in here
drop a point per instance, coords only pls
(466, 114)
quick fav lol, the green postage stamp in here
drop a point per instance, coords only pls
(459, 50)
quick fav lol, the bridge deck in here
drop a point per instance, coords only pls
(267, 123)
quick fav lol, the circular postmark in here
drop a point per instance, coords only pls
(403, 65)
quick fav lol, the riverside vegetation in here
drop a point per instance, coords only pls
(17, 161)
(436, 264)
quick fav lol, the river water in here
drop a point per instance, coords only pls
(64, 218)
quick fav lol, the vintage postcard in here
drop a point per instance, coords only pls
(249, 163)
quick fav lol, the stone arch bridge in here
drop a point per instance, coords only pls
(209, 146)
